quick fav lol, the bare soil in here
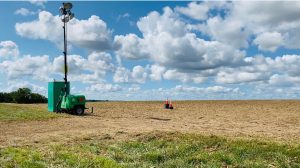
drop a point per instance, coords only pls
(269, 120)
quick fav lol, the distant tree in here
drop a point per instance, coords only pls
(22, 95)
(37, 98)
(2, 97)
(8, 97)
(5, 98)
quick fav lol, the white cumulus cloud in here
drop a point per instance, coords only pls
(137, 75)
(210, 89)
(167, 42)
(13, 86)
(40, 3)
(200, 10)
(244, 19)
(90, 70)
(268, 41)
(239, 77)
(24, 12)
(183, 77)
(195, 10)
(36, 67)
(102, 87)
(157, 72)
(129, 47)
(91, 33)
(8, 49)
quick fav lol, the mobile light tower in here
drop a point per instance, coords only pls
(67, 15)
(68, 102)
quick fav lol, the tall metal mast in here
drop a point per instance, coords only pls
(67, 15)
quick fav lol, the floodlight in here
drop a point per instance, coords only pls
(67, 5)
(61, 10)
(71, 16)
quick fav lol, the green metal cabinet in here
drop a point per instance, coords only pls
(54, 92)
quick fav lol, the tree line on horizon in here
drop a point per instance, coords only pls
(22, 96)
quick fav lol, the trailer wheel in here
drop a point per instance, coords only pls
(63, 111)
(79, 110)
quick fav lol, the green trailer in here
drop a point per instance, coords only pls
(74, 104)
(59, 101)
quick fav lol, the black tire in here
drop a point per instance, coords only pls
(63, 111)
(79, 110)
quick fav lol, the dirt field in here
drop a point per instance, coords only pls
(271, 120)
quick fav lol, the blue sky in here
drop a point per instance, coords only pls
(154, 50)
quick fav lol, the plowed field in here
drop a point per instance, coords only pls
(271, 120)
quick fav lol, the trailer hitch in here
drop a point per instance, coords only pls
(91, 108)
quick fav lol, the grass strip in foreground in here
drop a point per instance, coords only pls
(156, 150)
(24, 112)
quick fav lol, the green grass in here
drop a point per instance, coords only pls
(156, 150)
(24, 112)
